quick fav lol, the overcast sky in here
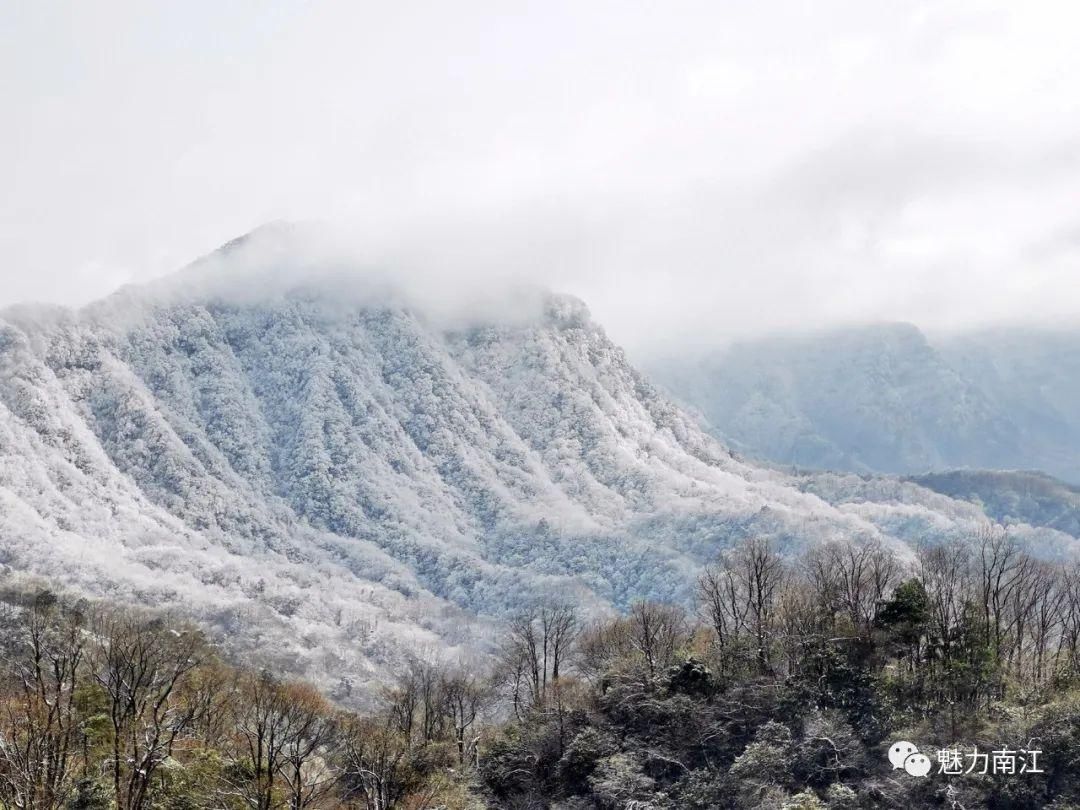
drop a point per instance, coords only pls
(694, 171)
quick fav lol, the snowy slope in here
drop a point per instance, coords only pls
(325, 475)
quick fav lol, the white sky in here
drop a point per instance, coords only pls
(693, 170)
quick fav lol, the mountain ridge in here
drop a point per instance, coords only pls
(885, 398)
(324, 482)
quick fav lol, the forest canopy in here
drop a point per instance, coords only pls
(784, 689)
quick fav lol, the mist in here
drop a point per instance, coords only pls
(317, 260)
(695, 173)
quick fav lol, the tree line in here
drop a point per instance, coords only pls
(782, 687)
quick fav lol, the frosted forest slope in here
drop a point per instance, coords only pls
(327, 476)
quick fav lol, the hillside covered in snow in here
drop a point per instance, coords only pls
(323, 472)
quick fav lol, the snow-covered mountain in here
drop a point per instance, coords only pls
(325, 472)
(884, 398)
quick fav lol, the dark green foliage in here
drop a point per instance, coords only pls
(976, 644)
(833, 682)
(91, 794)
(509, 767)
(581, 757)
(905, 614)
(691, 677)
(1013, 496)
(707, 789)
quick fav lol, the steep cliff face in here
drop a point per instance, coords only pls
(324, 475)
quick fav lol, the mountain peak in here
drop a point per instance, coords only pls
(566, 311)
(325, 266)
(316, 474)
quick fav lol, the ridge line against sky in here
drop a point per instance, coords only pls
(693, 173)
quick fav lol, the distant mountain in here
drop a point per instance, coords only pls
(1033, 376)
(324, 472)
(1013, 497)
(884, 398)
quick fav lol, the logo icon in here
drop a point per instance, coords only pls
(905, 755)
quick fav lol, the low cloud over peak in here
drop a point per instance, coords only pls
(696, 175)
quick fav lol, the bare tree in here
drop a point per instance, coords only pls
(943, 571)
(725, 606)
(1047, 618)
(600, 644)
(537, 648)
(379, 766)
(865, 572)
(999, 568)
(307, 733)
(259, 729)
(417, 702)
(739, 594)
(44, 649)
(141, 664)
(561, 627)
(1069, 640)
(799, 619)
(656, 632)
(464, 695)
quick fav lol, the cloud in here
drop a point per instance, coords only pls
(695, 172)
(345, 271)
